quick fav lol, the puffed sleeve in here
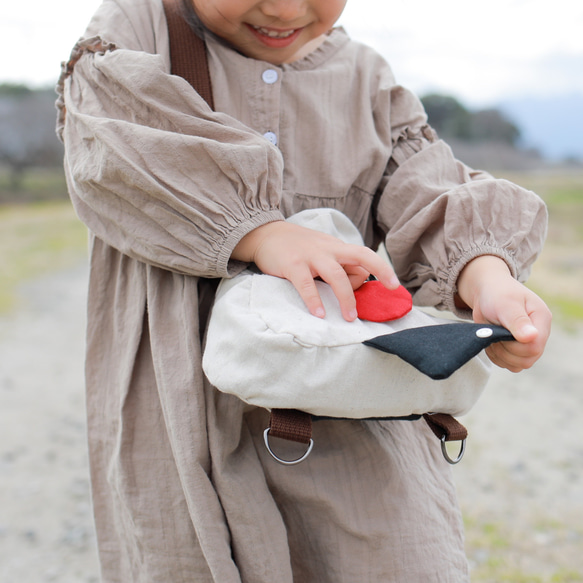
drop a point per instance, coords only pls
(438, 214)
(153, 171)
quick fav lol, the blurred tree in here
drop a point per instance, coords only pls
(27, 130)
(451, 120)
(448, 117)
(14, 89)
(490, 125)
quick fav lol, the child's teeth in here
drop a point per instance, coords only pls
(274, 33)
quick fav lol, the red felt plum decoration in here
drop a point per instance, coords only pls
(376, 303)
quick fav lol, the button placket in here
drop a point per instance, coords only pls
(271, 77)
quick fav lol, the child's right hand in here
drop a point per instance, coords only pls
(487, 287)
(299, 255)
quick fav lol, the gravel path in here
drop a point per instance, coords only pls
(522, 477)
(521, 482)
(45, 515)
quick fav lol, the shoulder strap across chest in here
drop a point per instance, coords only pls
(188, 53)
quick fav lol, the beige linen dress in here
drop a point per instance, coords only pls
(183, 488)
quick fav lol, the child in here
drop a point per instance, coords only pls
(171, 191)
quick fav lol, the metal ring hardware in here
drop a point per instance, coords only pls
(282, 461)
(460, 455)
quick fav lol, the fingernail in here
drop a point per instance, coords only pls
(395, 281)
(353, 314)
(319, 313)
(529, 329)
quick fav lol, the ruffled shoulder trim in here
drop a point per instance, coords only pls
(335, 40)
(408, 143)
(93, 45)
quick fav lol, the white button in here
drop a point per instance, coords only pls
(484, 332)
(271, 137)
(270, 76)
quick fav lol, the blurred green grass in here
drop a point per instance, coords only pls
(496, 551)
(37, 184)
(557, 276)
(38, 237)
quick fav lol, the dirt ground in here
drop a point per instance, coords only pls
(521, 481)
(520, 484)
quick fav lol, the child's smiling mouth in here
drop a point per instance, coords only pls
(273, 37)
(273, 33)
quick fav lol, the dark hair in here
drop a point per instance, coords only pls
(196, 24)
(193, 20)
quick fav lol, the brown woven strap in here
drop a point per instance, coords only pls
(188, 55)
(446, 427)
(297, 426)
(291, 424)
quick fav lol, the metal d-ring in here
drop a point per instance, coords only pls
(286, 462)
(460, 455)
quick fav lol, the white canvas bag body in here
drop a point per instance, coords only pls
(263, 346)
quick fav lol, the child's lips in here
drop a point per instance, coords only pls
(274, 37)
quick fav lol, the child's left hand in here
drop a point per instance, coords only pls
(488, 288)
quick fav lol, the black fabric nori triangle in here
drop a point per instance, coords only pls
(438, 351)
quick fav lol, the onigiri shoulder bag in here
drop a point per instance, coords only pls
(393, 362)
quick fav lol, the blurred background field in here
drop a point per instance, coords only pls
(558, 274)
(36, 239)
(514, 532)
(39, 233)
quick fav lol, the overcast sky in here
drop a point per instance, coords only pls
(481, 52)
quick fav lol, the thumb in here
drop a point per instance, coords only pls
(521, 327)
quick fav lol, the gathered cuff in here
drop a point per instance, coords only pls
(227, 267)
(447, 279)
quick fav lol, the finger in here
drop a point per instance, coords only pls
(356, 275)
(523, 329)
(516, 319)
(514, 356)
(504, 354)
(337, 278)
(517, 356)
(364, 257)
(503, 363)
(541, 318)
(305, 285)
(531, 329)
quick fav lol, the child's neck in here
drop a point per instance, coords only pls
(306, 49)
